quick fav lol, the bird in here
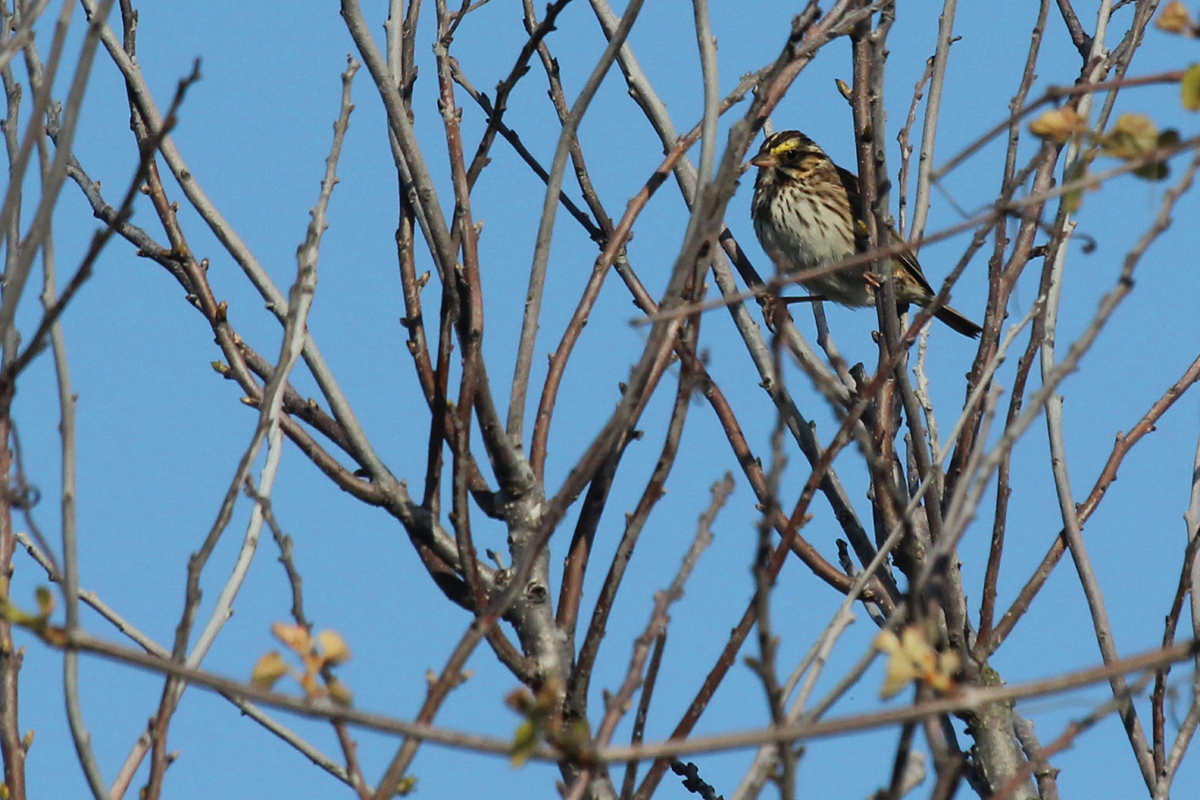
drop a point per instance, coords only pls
(807, 214)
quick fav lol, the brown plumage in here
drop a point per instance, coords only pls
(806, 211)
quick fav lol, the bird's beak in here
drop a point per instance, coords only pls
(763, 160)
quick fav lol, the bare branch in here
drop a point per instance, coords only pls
(541, 251)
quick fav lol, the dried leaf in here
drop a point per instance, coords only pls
(912, 657)
(520, 701)
(1135, 136)
(269, 669)
(406, 784)
(942, 676)
(333, 647)
(1189, 88)
(313, 663)
(308, 681)
(900, 668)
(1131, 137)
(1175, 19)
(1058, 124)
(51, 634)
(294, 637)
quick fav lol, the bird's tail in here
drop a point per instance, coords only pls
(958, 322)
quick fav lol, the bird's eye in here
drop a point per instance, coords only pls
(790, 157)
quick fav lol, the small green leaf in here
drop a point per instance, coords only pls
(45, 601)
(525, 742)
(1189, 88)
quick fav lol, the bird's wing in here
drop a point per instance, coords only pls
(850, 184)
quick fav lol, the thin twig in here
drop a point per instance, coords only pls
(125, 775)
(968, 698)
(663, 600)
(268, 431)
(541, 251)
(933, 112)
(1122, 447)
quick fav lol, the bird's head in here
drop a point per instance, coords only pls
(789, 152)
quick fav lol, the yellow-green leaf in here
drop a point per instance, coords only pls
(269, 669)
(15, 615)
(1189, 88)
(525, 742)
(45, 601)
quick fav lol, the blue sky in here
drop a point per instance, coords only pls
(161, 433)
